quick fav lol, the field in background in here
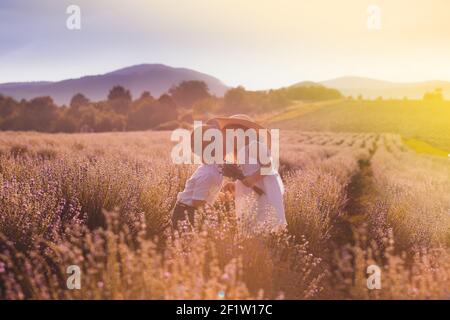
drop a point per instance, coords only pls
(103, 202)
(428, 122)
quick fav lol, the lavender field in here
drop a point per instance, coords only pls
(103, 202)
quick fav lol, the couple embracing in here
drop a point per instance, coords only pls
(258, 188)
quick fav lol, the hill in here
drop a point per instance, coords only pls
(306, 84)
(156, 78)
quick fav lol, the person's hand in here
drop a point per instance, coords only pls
(229, 187)
(249, 181)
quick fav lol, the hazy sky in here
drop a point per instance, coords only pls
(255, 43)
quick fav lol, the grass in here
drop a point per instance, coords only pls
(426, 121)
(425, 148)
(297, 109)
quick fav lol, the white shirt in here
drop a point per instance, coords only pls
(247, 202)
(203, 185)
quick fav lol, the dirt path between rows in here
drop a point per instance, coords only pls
(360, 193)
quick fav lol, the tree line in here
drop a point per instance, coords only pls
(120, 112)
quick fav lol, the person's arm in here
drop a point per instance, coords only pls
(253, 179)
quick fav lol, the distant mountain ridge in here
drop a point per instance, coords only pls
(156, 78)
(373, 88)
(307, 84)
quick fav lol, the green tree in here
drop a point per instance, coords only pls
(119, 100)
(78, 100)
(235, 99)
(40, 114)
(119, 93)
(188, 92)
(148, 112)
(7, 106)
(436, 95)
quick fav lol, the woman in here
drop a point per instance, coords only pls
(251, 207)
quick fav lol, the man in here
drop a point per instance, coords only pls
(201, 189)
